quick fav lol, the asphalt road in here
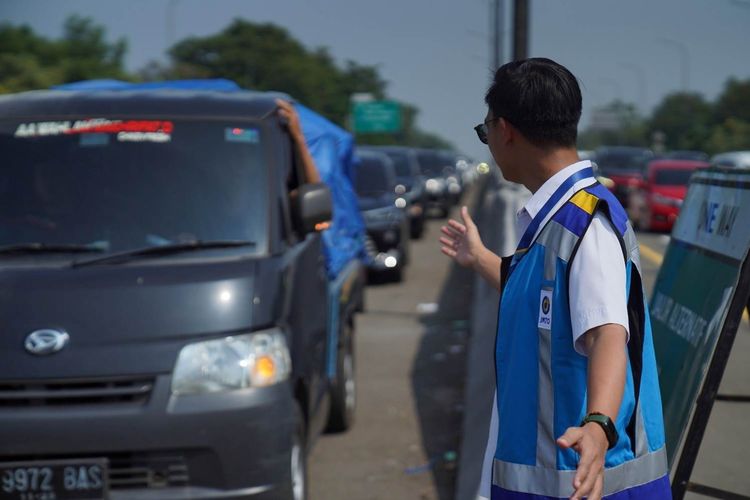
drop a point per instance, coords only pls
(410, 375)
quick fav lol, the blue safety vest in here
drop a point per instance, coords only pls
(541, 379)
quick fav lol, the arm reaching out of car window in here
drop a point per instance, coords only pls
(287, 112)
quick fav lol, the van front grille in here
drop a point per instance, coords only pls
(127, 472)
(75, 392)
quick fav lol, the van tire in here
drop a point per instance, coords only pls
(295, 485)
(344, 388)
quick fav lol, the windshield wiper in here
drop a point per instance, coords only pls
(172, 248)
(33, 248)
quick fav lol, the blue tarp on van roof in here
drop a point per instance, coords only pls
(331, 147)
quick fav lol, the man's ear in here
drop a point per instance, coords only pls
(507, 131)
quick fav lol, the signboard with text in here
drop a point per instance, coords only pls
(697, 284)
(374, 117)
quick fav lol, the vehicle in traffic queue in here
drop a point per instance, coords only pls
(466, 169)
(624, 166)
(732, 159)
(384, 213)
(454, 176)
(410, 184)
(459, 169)
(170, 326)
(683, 154)
(442, 183)
(656, 201)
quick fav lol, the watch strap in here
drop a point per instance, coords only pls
(606, 424)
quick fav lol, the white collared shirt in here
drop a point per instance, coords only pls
(597, 292)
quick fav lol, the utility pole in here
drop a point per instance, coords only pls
(521, 30)
(497, 42)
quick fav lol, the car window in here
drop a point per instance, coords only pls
(673, 176)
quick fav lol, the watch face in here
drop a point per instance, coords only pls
(606, 424)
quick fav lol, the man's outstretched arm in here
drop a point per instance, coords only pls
(462, 243)
(606, 348)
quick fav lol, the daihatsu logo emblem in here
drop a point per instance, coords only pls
(42, 342)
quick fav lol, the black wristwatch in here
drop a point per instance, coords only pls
(606, 424)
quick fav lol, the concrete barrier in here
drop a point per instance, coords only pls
(495, 215)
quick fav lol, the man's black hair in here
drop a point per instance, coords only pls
(540, 98)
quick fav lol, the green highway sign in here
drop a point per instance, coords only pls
(698, 284)
(376, 117)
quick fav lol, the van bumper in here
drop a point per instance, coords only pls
(230, 445)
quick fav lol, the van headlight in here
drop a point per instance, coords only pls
(237, 362)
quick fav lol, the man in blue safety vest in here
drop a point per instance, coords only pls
(577, 411)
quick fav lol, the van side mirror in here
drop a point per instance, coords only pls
(312, 208)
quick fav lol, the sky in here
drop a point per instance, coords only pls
(436, 53)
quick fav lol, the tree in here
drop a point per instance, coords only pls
(732, 135)
(86, 54)
(617, 123)
(734, 101)
(26, 60)
(29, 61)
(686, 119)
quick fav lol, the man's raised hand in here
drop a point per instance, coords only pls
(461, 241)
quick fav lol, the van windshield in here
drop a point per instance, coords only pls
(127, 184)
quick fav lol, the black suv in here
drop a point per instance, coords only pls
(410, 184)
(443, 184)
(384, 214)
(168, 326)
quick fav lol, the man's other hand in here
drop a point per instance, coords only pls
(590, 443)
(461, 242)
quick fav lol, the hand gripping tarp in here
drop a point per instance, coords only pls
(331, 147)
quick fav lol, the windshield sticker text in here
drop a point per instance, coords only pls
(97, 126)
(143, 137)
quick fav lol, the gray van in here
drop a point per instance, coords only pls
(169, 330)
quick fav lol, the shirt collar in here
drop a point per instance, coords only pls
(544, 193)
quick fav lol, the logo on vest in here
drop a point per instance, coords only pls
(545, 310)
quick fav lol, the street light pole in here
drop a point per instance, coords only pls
(684, 60)
(640, 76)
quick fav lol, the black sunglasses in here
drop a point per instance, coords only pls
(481, 129)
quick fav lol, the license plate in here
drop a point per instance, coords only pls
(84, 479)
